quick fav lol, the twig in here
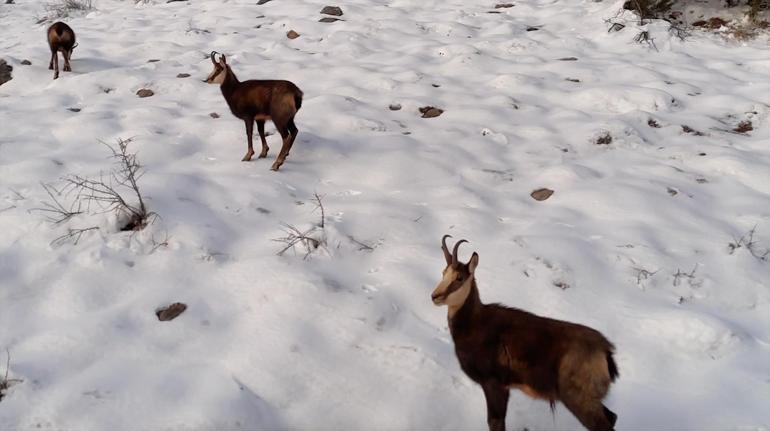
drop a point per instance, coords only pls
(73, 233)
(679, 274)
(643, 274)
(320, 205)
(363, 247)
(294, 236)
(7, 364)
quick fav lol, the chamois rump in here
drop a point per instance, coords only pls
(503, 348)
(259, 100)
(61, 38)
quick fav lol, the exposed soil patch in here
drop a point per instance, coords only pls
(744, 127)
(605, 139)
(690, 130)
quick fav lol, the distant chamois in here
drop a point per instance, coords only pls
(259, 100)
(61, 38)
(503, 348)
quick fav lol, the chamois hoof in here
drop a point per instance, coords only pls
(67, 69)
(247, 158)
(275, 166)
(50, 66)
(262, 155)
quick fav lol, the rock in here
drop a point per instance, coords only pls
(394, 107)
(431, 111)
(292, 34)
(652, 123)
(214, 115)
(145, 92)
(541, 194)
(170, 312)
(672, 191)
(183, 75)
(503, 5)
(605, 139)
(332, 10)
(153, 60)
(568, 59)
(261, 2)
(530, 28)
(5, 72)
(73, 109)
(26, 63)
(328, 19)
(572, 79)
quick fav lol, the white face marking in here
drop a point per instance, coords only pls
(439, 294)
(217, 76)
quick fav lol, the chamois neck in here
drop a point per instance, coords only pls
(469, 308)
(230, 82)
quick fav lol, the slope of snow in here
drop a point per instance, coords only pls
(349, 338)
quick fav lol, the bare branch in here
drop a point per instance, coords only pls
(73, 235)
(306, 239)
(58, 213)
(320, 205)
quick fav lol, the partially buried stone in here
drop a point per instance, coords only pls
(541, 194)
(145, 92)
(332, 10)
(170, 312)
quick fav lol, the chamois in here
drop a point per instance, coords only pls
(503, 348)
(259, 100)
(61, 38)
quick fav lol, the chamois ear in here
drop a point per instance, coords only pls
(473, 263)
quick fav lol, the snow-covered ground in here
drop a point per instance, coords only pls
(349, 338)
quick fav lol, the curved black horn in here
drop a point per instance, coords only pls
(454, 252)
(447, 256)
(213, 53)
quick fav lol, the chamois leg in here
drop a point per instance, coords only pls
(261, 130)
(50, 64)
(497, 405)
(55, 65)
(591, 413)
(249, 138)
(283, 130)
(293, 130)
(67, 55)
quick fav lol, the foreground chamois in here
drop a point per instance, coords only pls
(61, 38)
(259, 100)
(504, 348)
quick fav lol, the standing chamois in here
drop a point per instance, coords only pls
(259, 100)
(61, 38)
(503, 348)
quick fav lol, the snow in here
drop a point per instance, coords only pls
(348, 338)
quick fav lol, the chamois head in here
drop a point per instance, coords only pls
(457, 278)
(219, 73)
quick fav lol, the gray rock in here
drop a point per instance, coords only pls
(332, 10)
